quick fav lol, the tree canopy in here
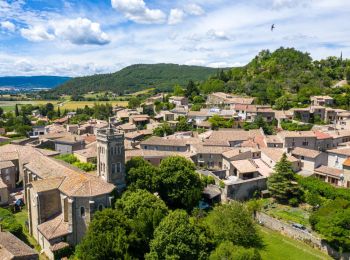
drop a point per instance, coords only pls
(180, 185)
(282, 183)
(233, 222)
(145, 211)
(177, 237)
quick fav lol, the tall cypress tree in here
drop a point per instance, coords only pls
(16, 110)
(58, 112)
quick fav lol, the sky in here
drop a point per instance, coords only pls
(84, 37)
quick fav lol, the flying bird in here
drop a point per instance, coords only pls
(272, 27)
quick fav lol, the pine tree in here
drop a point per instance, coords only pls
(16, 110)
(282, 183)
(191, 89)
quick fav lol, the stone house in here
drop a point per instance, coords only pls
(233, 155)
(292, 139)
(271, 156)
(8, 174)
(207, 156)
(273, 141)
(310, 159)
(301, 114)
(318, 112)
(336, 157)
(334, 176)
(178, 101)
(68, 144)
(322, 101)
(139, 120)
(245, 169)
(220, 98)
(343, 120)
(168, 144)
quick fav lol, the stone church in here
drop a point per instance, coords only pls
(61, 199)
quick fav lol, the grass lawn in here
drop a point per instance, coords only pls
(288, 214)
(22, 217)
(281, 247)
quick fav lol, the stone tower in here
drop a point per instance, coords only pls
(111, 156)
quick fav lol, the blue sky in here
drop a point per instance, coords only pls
(66, 37)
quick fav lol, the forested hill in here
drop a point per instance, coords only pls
(286, 73)
(32, 81)
(135, 78)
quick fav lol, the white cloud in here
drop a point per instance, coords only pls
(80, 31)
(217, 35)
(36, 33)
(7, 25)
(194, 9)
(176, 16)
(137, 11)
(76, 31)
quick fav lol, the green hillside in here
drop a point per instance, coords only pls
(135, 78)
(286, 73)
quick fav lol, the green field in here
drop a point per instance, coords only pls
(278, 247)
(70, 105)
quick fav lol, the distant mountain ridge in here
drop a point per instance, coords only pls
(136, 77)
(32, 81)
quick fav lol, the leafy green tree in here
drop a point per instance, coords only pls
(347, 74)
(145, 211)
(135, 162)
(145, 177)
(228, 251)
(107, 237)
(177, 237)
(163, 130)
(234, 223)
(178, 91)
(332, 220)
(182, 125)
(180, 186)
(212, 85)
(281, 103)
(282, 183)
(217, 122)
(134, 102)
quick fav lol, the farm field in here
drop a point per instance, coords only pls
(72, 105)
(69, 105)
(279, 247)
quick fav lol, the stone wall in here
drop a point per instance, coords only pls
(298, 234)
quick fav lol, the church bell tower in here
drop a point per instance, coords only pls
(111, 156)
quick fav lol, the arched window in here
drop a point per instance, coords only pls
(100, 207)
(82, 211)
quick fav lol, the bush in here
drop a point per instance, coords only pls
(294, 202)
(87, 167)
(9, 223)
(68, 158)
(323, 189)
(291, 126)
